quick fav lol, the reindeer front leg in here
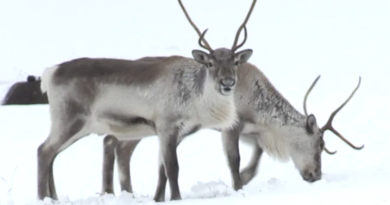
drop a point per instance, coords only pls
(168, 137)
(162, 181)
(250, 171)
(230, 141)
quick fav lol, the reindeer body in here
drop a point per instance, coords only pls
(120, 93)
(265, 115)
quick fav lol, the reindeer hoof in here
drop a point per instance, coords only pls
(159, 199)
(237, 186)
(176, 198)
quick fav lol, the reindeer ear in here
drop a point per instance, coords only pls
(243, 56)
(200, 56)
(311, 122)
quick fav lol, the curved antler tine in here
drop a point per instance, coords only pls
(207, 45)
(235, 47)
(200, 41)
(342, 105)
(345, 140)
(243, 42)
(329, 126)
(307, 94)
(329, 152)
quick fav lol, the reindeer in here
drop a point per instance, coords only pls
(270, 123)
(25, 93)
(267, 122)
(171, 97)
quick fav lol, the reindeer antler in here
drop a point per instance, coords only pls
(243, 26)
(307, 94)
(328, 125)
(201, 35)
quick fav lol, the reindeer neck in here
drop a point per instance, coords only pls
(271, 107)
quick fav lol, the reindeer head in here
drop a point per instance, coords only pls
(222, 62)
(307, 151)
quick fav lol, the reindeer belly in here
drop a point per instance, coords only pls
(131, 132)
(123, 126)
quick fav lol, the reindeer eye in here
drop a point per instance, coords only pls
(236, 63)
(210, 64)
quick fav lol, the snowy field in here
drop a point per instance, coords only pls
(293, 43)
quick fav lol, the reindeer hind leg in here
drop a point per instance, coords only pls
(109, 144)
(124, 151)
(62, 135)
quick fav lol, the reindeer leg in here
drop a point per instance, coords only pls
(168, 148)
(66, 128)
(58, 140)
(249, 172)
(109, 144)
(162, 177)
(52, 187)
(124, 151)
(162, 181)
(45, 156)
(230, 141)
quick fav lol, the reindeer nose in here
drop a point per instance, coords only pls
(228, 82)
(312, 176)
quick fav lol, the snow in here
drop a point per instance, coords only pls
(293, 42)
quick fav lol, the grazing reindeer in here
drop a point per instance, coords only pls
(171, 97)
(25, 93)
(267, 122)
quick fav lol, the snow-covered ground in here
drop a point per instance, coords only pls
(293, 42)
